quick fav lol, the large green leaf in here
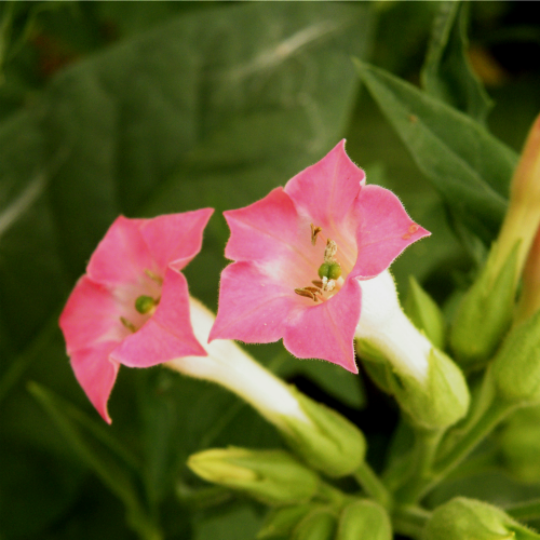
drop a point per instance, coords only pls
(215, 107)
(447, 74)
(469, 167)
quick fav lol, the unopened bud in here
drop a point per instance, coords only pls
(485, 312)
(364, 519)
(462, 518)
(271, 476)
(516, 368)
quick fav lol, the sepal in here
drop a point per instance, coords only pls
(485, 312)
(463, 518)
(271, 476)
(318, 525)
(438, 402)
(330, 443)
(425, 314)
(364, 519)
(281, 521)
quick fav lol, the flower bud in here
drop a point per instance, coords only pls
(516, 368)
(318, 525)
(329, 443)
(463, 518)
(281, 521)
(271, 476)
(437, 402)
(425, 314)
(485, 312)
(529, 301)
(364, 519)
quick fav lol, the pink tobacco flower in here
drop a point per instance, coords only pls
(132, 305)
(301, 254)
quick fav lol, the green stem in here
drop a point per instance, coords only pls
(331, 494)
(372, 485)
(410, 520)
(525, 511)
(427, 443)
(495, 413)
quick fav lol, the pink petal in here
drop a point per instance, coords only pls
(326, 330)
(271, 230)
(174, 239)
(252, 306)
(384, 231)
(122, 256)
(91, 315)
(167, 334)
(96, 374)
(325, 191)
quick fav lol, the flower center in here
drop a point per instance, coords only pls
(144, 304)
(329, 272)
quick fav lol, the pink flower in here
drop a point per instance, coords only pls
(301, 254)
(132, 305)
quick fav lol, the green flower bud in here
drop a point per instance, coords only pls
(271, 476)
(330, 444)
(330, 270)
(281, 521)
(485, 312)
(145, 304)
(463, 518)
(516, 368)
(425, 314)
(364, 519)
(318, 525)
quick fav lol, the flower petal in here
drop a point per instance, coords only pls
(385, 230)
(167, 334)
(96, 374)
(122, 256)
(326, 190)
(271, 230)
(252, 306)
(91, 315)
(326, 330)
(174, 239)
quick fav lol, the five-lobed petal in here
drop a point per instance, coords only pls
(101, 325)
(273, 289)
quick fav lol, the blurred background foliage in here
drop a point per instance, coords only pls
(153, 107)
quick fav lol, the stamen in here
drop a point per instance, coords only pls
(129, 325)
(330, 251)
(314, 232)
(154, 276)
(306, 293)
(317, 283)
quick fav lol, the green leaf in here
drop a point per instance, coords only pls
(447, 74)
(103, 454)
(468, 166)
(237, 523)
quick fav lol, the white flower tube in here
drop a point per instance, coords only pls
(386, 328)
(324, 439)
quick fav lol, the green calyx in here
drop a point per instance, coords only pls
(145, 304)
(329, 270)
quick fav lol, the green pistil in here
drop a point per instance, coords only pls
(330, 270)
(145, 304)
